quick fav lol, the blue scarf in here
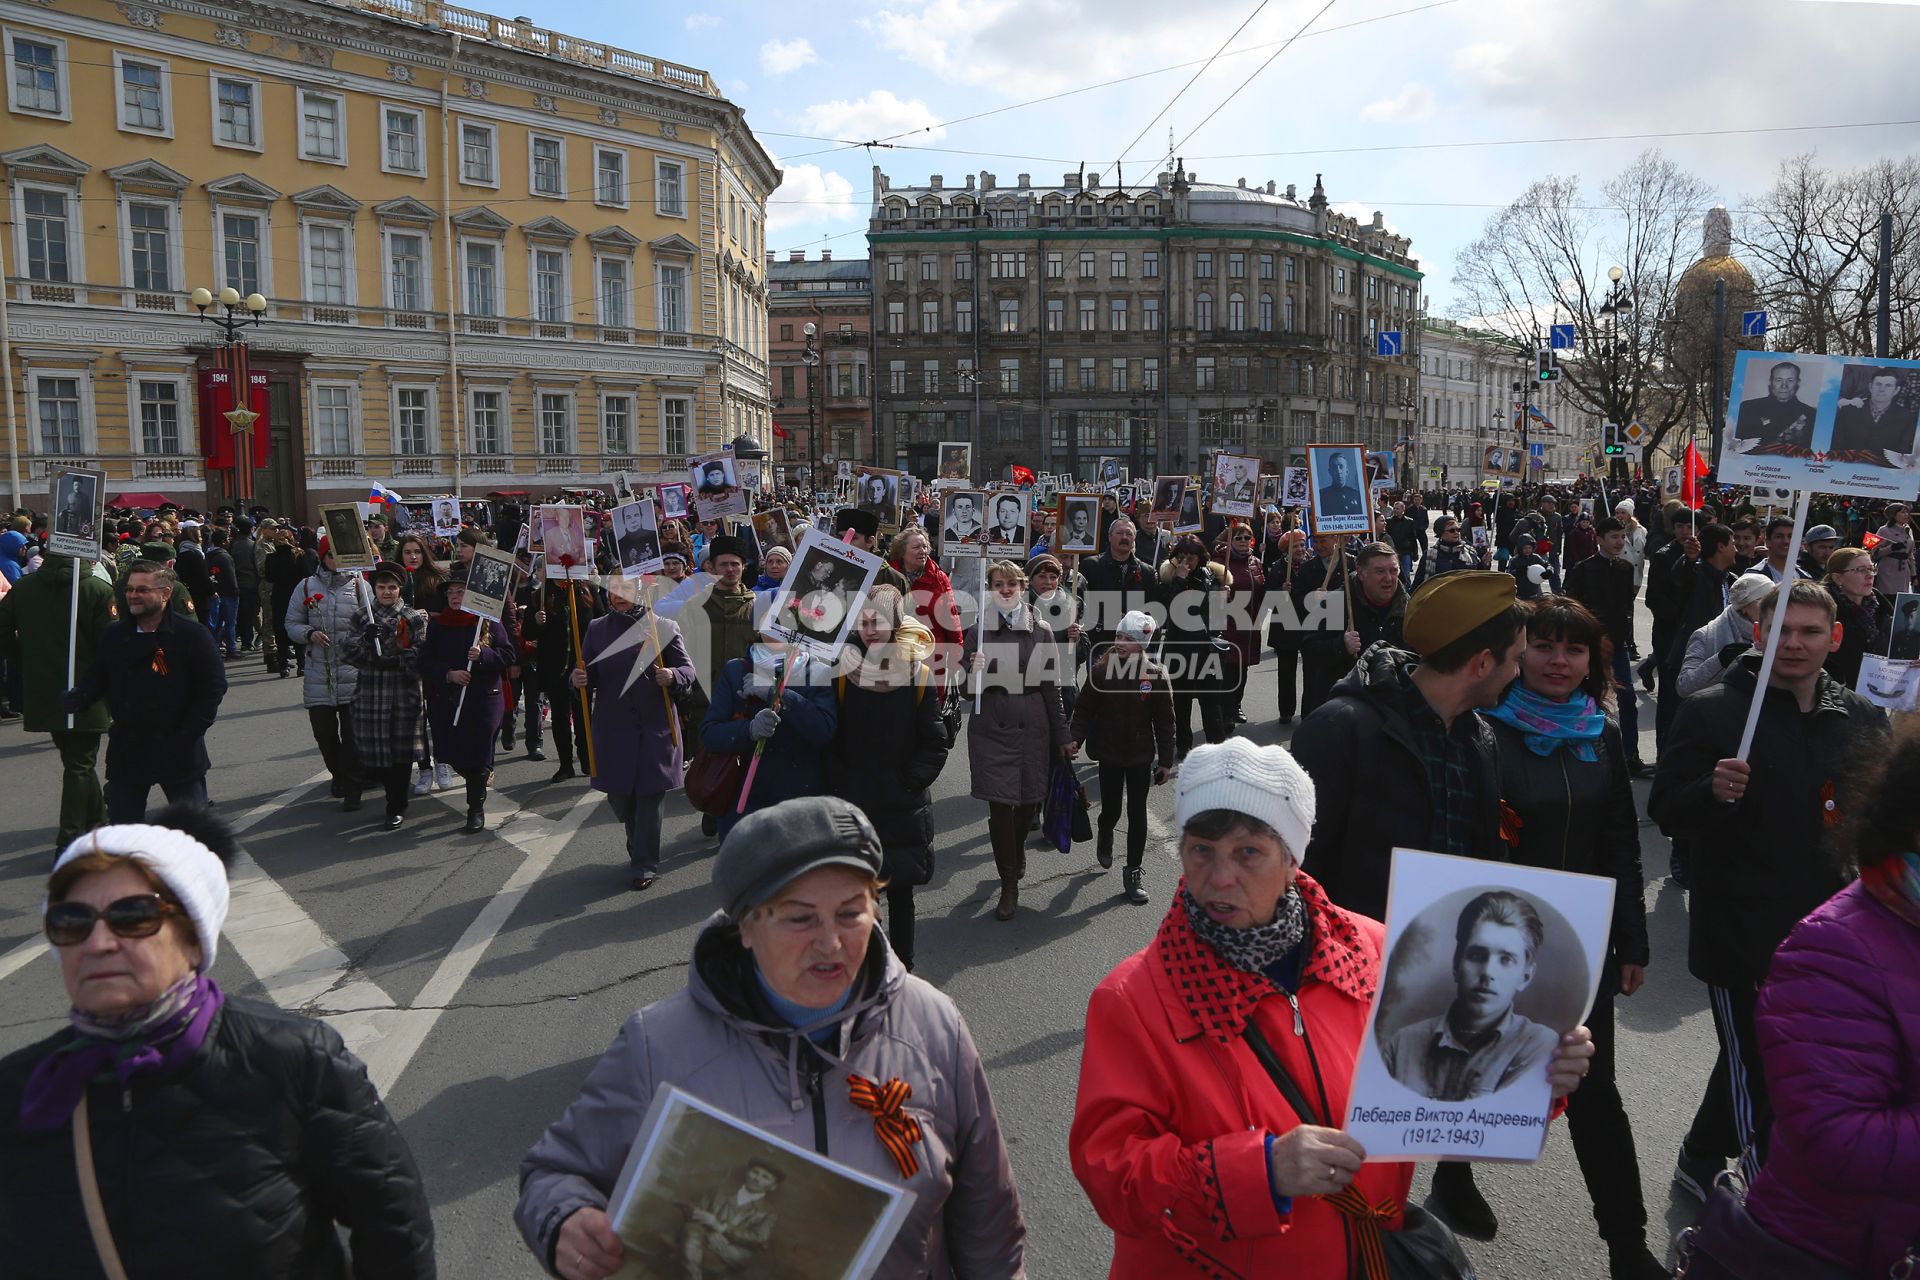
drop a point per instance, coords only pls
(1545, 724)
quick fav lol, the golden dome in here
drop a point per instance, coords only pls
(1703, 273)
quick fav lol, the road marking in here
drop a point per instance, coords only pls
(20, 956)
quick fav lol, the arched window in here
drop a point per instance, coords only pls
(1266, 313)
(1203, 311)
(1237, 312)
(1287, 314)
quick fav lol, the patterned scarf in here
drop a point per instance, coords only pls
(1255, 949)
(1895, 882)
(158, 1037)
(1545, 724)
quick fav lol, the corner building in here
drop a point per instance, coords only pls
(496, 257)
(1054, 325)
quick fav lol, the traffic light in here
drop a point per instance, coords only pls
(1544, 365)
(1611, 443)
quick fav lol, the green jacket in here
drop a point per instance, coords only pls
(33, 632)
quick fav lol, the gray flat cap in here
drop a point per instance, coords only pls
(771, 848)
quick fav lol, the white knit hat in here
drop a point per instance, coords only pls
(189, 869)
(1261, 782)
(1136, 627)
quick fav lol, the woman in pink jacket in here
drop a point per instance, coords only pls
(1839, 1030)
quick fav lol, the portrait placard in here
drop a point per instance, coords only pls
(1167, 493)
(560, 531)
(773, 528)
(489, 583)
(751, 474)
(821, 594)
(956, 462)
(446, 517)
(699, 1183)
(1188, 520)
(1382, 469)
(1111, 474)
(1294, 487)
(636, 538)
(879, 495)
(963, 522)
(77, 514)
(1903, 633)
(1503, 461)
(1077, 527)
(1007, 528)
(1236, 485)
(1831, 424)
(673, 501)
(1126, 495)
(1500, 957)
(716, 485)
(1270, 484)
(347, 535)
(1888, 683)
(1341, 501)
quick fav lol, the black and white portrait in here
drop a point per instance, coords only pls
(1079, 525)
(1779, 402)
(815, 605)
(750, 472)
(1270, 492)
(1295, 487)
(1188, 521)
(844, 471)
(1337, 481)
(879, 495)
(956, 460)
(636, 536)
(1904, 643)
(713, 474)
(1167, 493)
(623, 491)
(1112, 474)
(963, 521)
(446, 517)
(347, 535)
(1236, 485)
(76, 515)
(1878, 416)
(673, 502)
(1381, 469)
(489, 583)
(773, 528)
(1126, 495)
(1007, 522)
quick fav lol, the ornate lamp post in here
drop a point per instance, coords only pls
(236, 315)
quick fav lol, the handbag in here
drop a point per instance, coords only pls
(1423, 1249)
(714, 778)
(96, 1212)
(1057, 815)
(1727, 1242)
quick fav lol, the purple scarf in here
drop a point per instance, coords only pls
(159, 1037)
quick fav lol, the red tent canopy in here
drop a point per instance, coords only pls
(137, 500)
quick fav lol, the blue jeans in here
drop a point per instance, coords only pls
(127, 801)
(1629, 710)
(1406, 570)
(222, 619)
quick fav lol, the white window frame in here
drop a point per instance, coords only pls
(461, 125)
(499, 278)
(339, 100)
(306, 262)
(505, 393)
(183, 400)
(387, 298)
(533, 187)
(76, 243)
(534, 249)
(176, 268)
(419, 136)
(61, 88)
(433, 416)
(606, 449)
(600, 293)
(214, 82)
(686, 201)
(660, 297)
(88, 417)
(686, 401)
(626, 178)
(120, 59)
(572, 441)
(355, 438)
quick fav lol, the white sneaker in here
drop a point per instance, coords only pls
(423, 783)
(443, 776)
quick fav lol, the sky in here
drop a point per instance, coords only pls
(1377, 95)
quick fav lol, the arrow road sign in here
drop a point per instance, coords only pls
(1753, 324)
(1537, 449)
(1389, 342)
(1561, 337)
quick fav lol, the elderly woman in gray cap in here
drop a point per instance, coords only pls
(798, 1017)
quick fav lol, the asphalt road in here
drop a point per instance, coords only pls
(481, 976)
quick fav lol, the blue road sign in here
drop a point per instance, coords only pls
(1753, 324)
(1561, 337)
(1536, 448)
(1388, 343)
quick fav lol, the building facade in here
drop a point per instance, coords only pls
(1468, 405)
(495, 257)
(1054, 325)
(825, 410)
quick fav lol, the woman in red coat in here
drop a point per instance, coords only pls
(930, 593)
(1180, 1138)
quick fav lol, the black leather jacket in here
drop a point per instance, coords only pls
(1578, 815)
(238, 1165)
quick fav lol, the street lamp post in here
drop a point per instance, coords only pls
(811, 359)
(1618, 302)
(236, 314)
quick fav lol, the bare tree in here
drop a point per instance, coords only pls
(1545, 259)
(1814, 241)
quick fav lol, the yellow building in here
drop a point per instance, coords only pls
(495, 257)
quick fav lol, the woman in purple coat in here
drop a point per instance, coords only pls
(451, 660)
(1839, 1029)
(637, 752)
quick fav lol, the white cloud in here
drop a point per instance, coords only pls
(807, 193)
(1411, 105)
(878, 115)
(702, 21)
(1363, 214)
(778, 57)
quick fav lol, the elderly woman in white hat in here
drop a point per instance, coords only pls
(1181, 1136)
(232, 1138)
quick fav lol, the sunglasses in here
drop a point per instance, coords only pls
(70, 923)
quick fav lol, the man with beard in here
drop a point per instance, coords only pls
(1779, 419)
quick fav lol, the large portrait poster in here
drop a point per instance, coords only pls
(716, 486)
(636, 537)
(821, 594)
(1831, 424)
(1341, 501)
(1077, 525)
(78, 498)
(879, 495)
(346, 535)
(956, 462)
(963, 522)
(1293, 489)
(1007, 525)
(1503, 958)
(561, 532)
(489, 583)
(1236, 485)
(699, 1184)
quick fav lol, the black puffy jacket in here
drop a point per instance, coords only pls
(238, 1165)
(888, 748)
(1578, 815)
(1370, 781)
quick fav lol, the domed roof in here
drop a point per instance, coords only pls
(1716, 256)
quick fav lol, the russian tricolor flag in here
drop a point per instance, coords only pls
(379, 493)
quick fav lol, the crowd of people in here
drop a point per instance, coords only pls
(1463, 683)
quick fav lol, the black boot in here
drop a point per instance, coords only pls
(1103, 849)
(476, 820)
(1461, 1203)
(1632, 1260)
(351, 802)
(563, 773)
(1130, 886)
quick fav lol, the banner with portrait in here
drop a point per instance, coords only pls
(1077, 524)
(489, 583)
(878, 494)
(820, 597)
(963, 522)
(716, 484)
(1341, 502)
(1487, 965)
(1828, 424)
(347, 535)
(1236, 485)
(78, 512)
